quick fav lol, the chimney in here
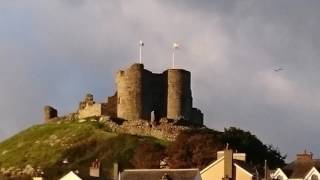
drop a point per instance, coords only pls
(95, 169)
(228, 163)
(304, 156)
(115, 171)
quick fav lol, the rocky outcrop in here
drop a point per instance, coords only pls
(165, 129)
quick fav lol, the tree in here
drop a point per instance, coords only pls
(147, 155)
(198, 148)
(194, 149)
(256, 151)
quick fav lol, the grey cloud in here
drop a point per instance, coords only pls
(53, 52)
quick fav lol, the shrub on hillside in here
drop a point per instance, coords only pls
(198, 148)
(194, 149)
(147, 155)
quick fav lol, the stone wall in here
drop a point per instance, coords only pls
(110, 107)
(91, 110)
(196, 116)
(164, 129)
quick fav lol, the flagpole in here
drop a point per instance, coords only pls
(140, 59)
(174, 47)
(140, 51)
(173, 59)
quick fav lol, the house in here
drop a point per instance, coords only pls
(37, 178)
(71, 176)
(303, 168)
(160, 174)
(229, 166)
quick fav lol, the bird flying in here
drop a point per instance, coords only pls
(278, 69)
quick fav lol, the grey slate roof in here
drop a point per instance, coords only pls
(300, 168)
(158, 174)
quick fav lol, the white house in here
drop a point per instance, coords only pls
(160, 174)
(303, 168)
(71, 176)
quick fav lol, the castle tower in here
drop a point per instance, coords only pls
(179, 98)
(129, 86)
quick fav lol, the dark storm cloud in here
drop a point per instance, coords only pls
(53, 52)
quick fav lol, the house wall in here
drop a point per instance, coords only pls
(279, 172)
(214, 173)
(241, 175)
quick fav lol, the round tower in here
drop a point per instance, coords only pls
(129, 87)
(179, 98)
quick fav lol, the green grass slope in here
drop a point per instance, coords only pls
(46, 146)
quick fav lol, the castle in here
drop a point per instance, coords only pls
(143, 95)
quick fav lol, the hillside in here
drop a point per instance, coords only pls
(42, 148)
(46, 146)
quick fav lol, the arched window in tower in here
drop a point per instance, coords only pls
(314, 177)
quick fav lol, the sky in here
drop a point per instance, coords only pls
(53, 52)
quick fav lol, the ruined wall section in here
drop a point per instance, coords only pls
(179, 98)
(129, 86)
(110, 107)
(147, 95)
(159, 96)
(153, 96)
(196, 116)
(91, 110)
(49, 113)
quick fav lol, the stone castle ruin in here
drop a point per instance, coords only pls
(143, 96)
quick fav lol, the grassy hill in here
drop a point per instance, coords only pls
(46, 146)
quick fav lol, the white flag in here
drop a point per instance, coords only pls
(175, 46)
(141, 43)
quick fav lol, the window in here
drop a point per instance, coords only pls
(314, 177)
